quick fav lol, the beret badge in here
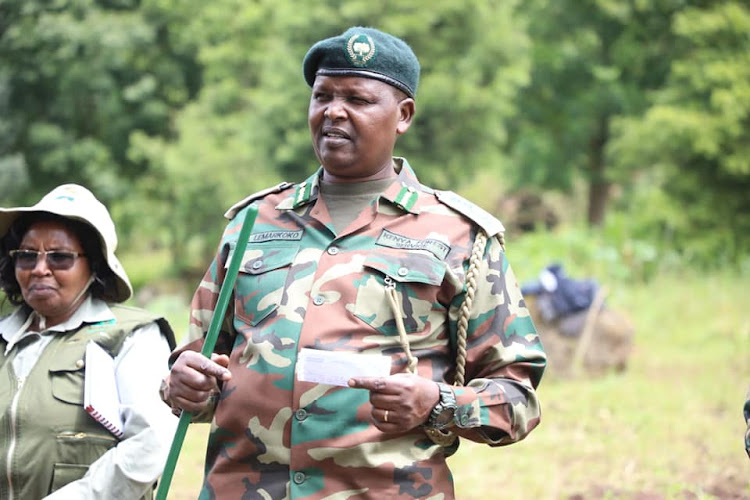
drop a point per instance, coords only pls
(366, 53)
(360, 48)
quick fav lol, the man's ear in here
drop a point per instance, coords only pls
(406, 110)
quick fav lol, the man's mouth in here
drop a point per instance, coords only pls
(335, 133)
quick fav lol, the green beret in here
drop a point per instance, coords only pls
(364, 52)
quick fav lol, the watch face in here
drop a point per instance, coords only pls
(443, 413)
(445, 417)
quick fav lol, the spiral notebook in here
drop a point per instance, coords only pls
(100, 397)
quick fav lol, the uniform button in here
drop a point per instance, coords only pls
(300, 414)
(333, 250)
(319, 300)
(402, 271)
(79, 363)
(464, 420)
(257, 264)
(299, 477)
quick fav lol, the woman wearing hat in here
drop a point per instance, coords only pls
(58, 267)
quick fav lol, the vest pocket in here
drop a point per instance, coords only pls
(67, 374)
(66, 473)
(77, 449)
(417, 278)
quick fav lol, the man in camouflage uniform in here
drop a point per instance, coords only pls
(358, 259)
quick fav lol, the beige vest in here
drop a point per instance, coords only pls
(54, 440)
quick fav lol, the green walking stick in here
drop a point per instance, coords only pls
(208, 346)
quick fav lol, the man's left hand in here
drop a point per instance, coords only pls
(399, 402)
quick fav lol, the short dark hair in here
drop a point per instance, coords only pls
(105, 283)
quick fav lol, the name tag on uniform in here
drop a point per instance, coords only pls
(336, 367)
(393, 240)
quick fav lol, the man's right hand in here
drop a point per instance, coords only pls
(193, 382)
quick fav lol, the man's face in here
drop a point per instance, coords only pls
(354, 123)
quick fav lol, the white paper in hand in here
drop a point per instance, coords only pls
(336, 367)
(100, 397)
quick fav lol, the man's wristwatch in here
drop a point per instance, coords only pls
(442, 414)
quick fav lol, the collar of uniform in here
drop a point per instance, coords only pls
(304, 192)
(90, 311)
(403, 192)
(12, 326)
(405, 189)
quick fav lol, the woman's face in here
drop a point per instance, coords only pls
(52, 292)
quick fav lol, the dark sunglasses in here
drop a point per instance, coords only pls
(56, 260)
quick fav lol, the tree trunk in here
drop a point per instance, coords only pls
(598, 184)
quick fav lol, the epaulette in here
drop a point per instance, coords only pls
(229, 214)
(481, 217)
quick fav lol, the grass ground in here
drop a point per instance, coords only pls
(669, 427)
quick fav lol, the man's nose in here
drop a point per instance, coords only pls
(335, 109)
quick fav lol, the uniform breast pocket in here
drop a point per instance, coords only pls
(416, 278)
(261, 281)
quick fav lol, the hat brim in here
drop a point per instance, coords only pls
(373, 75)
(124, 290)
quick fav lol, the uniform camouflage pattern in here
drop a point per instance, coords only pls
(301, 285)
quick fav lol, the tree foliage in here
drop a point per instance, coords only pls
(593, 61)
(172, 110)
(694, 139)
(78, 77)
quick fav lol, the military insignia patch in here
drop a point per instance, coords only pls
(360, 48)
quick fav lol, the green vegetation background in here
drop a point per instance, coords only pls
(632, 117)
(627, 124)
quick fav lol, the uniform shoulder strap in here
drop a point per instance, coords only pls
(260, 194)
(489, 223)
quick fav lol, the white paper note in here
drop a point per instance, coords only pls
(337, 367)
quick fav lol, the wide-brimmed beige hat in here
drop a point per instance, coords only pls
(77, 202)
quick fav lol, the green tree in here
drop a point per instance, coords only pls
(694, 140)
(78, 77)
(593, 61)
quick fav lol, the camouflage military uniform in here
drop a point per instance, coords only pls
(302, 285)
